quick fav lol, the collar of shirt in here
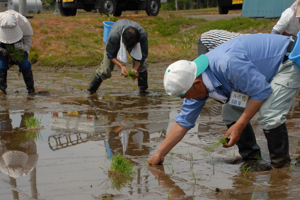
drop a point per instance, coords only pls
(212, 92)
(216, 83)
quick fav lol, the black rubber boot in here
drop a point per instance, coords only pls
(143, 82)
(248, 148)
(278, 145)
(94, 85)
(28, 79)
(3, 81)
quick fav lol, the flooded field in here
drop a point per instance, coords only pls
(67, 158)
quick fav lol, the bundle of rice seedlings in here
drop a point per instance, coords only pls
(120, 165)
(16, 55)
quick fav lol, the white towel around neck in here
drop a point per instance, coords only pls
(136, 52)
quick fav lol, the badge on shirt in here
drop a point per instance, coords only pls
(238, 99)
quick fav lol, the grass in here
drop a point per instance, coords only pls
(32, 122)
(77, 41)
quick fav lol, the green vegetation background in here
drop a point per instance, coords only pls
(78, 41)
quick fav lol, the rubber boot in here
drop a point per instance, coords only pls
(248, 148)
(28, 79)
(3, 81)
(278, 145)
(143, 82)
(94, 85)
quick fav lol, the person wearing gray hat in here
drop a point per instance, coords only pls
(15, 41)
(249, 74)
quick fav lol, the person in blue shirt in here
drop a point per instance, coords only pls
(249, 74)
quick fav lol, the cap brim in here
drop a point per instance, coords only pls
(201, 63)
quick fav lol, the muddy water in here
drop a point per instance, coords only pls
(69, 156)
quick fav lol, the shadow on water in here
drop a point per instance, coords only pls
(79, 135)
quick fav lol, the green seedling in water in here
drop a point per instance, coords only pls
(121, 165)
(16, 55)
(194, 177)
(293, 165)
(191, 156)
(253, 194)
(32, 122)
(169, 193)
(120, 172)
(245, 169)
(216, 145)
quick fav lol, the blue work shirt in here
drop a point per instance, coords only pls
(246, 63)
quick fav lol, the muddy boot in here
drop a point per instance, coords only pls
(94, 85)
(278, 145)
(3, 81)
(28, 79)
(143, 82)
(247, 145)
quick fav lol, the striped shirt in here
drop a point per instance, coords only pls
(213, 38)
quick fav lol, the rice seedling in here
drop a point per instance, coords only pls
(293, 165)
(245, 169)
(191, 156)
(169, 194)
(131, 74)
(253, 194)
(171, 169)
(16, 55)
(194, 177)
(32, 122)
(216, 145)
(120, 172)
(120, 165)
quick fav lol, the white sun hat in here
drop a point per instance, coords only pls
(17, 163)
(180, 75)
(10, 31)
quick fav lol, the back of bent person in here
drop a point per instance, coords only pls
(125, 35)
(254, 66)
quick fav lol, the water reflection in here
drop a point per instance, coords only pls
(18, 152)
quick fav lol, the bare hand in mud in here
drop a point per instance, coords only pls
(156, 160)
(234, 132)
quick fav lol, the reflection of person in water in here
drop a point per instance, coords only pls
(127, 142)
(164, 180)
(18, 151)
(125, 139)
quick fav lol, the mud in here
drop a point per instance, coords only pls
(69, 157)
(70, 154)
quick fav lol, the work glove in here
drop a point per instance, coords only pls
(4, 52)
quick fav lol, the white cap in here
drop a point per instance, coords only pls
(180, 75)
(17, 163)
(10, 31)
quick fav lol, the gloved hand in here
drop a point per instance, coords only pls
(4, 52)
